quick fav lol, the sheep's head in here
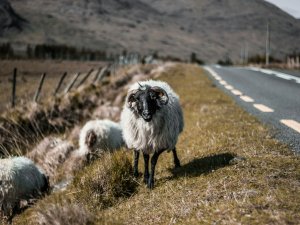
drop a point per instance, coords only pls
(146, 100)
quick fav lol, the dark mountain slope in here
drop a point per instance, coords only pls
(9, 19)
(214, 29)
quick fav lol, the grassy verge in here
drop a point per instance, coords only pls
(233, 171)
(259, 186)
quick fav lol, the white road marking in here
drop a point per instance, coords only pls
(263, 108)
(223, 82)
(246, 98)
(292, 124)
(229, 87)
(236, 92)
(213, 73)
(277, 74)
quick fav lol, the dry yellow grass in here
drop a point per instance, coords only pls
(233, 171)
(260, 186)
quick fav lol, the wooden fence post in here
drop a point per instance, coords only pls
(85, 78)
(60, 83)
(97, 74)
(72, 83)
(101, 74)
(14, 83)
(38, 91)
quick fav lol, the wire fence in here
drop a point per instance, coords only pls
(80, 79)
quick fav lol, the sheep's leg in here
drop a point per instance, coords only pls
(146, 165)
(153, 164)
(135, 164)
(176, 160)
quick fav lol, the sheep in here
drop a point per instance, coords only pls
(151, 120)
(50, 154)
(20, 180)
(100, 135)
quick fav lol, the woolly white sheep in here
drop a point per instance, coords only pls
(50, 154)
(20, 180)
(100, 135)
(151, 121)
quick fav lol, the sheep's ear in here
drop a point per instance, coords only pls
(130, 99)
(90, 138)
(161, 94)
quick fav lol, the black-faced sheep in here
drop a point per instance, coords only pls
(100, 135)
(20, 180)
(151, 121)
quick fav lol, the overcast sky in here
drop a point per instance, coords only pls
(290, 6)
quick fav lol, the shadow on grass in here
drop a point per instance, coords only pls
(203, 165)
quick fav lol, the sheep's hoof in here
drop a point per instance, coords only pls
(146, 178)
(136, 174)
(177, 164)
(150, 184)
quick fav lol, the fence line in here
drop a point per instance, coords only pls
(38, 91)
(85, 78)
(96, 75)
(60, 83)
(100, 74)
(72, 83)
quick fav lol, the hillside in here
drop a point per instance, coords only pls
(9, 18)
(214, 29)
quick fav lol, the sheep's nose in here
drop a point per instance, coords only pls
(146, 115)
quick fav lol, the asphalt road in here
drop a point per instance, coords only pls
(271, 96)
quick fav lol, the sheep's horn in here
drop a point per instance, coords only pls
(142, 87)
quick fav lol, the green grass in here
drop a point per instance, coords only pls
(233, 171)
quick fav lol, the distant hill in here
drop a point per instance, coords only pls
(9, 18)
(214, 29)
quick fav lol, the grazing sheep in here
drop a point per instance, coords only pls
(151, 121)
(50, 154)
(100, 135)
(20, 180)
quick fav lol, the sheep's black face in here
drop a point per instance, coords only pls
(147, 100)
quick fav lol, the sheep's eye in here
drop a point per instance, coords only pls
(152, 95)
